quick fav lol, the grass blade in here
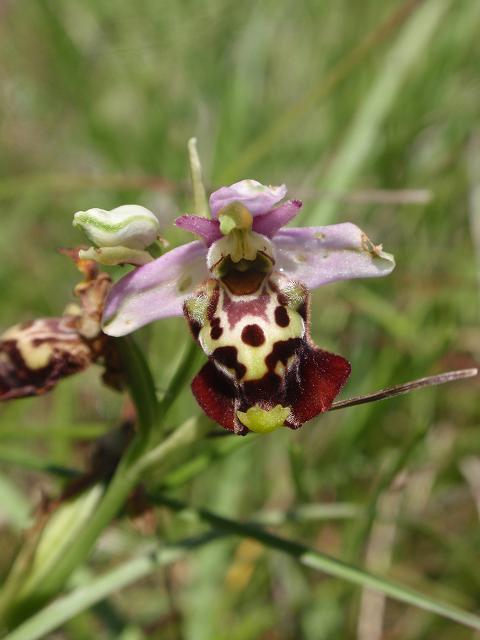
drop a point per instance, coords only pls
(281, 126)
(363, 132)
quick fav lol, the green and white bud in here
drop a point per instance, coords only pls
(130, 226)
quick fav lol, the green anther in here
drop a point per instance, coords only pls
(235, 216)
(227, 224)
(262, 420)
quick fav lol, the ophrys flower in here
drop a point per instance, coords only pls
(244, 289)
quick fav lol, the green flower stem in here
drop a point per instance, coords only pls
(321, 562)
(181, 377)
(140, 384)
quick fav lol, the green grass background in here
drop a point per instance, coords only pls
(98, 100)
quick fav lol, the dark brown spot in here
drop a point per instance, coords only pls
(282, 351)
(216, 333)
(194, 327)
(281, 317)
(282, 299)
(38, 342)
(228, 357)
(212, 305)
(215, 330)
(253, 335)
(302, 310)
(273, 285)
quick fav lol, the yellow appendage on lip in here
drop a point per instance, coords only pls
(264, 420)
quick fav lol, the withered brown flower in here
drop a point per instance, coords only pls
(36, 355)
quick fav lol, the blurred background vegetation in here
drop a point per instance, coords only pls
(369, 112)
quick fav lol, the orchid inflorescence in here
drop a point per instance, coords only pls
(244, 288)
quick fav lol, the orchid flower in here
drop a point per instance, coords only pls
(244, 288)
(36, 355)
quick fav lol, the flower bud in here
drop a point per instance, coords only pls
(130, 226)
(55, 530)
